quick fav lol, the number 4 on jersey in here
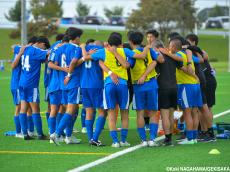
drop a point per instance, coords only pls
(25, 63)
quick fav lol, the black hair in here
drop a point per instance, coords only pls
(116, 34)
(127, 45)
(59, 37)
(136, 38)
(74, 32)
(114, 40)
(32, 40)
(154, 32)
(192, 37)
(65, 38)
(90, 41)
(182, 40)
(42, 39)
(172, 35)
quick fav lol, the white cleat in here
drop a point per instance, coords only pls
(32, 134)
(115, 145)
(144, 143)
(186, 142)
(124, 144)
(83, 130)
(55, 139)
(19, 135)
(72, 140)
(152, 143)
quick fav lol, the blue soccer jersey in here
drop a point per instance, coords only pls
(16, 72)
(31, 65)
(91, 75)
(67, 53)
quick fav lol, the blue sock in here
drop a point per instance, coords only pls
(23, 122)
(99, 127)
(47, 118)
(52, 124)
(142, 134)
(83, 115)
(153, 130)
(180, 126)
(58, 119)
(114, 136)
(124, 133)
(65, 121)
(17, 124)
(89, 127)
(189, 134)
(38, 123)
(30, 123)
(69, 128)
(195, 133)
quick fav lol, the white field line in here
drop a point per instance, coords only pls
(125, 151)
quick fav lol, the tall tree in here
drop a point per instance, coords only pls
(14, 13)
(218, 11)
(82, 9)
(46, 9)
(167, 14)
(115, 11)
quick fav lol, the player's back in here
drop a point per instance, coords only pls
(31, 65)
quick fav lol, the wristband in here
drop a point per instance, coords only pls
(110, 72)
(83, 59)
(69, 75)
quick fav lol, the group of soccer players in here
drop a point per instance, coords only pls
(107, 76)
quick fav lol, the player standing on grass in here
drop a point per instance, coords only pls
(31, 61)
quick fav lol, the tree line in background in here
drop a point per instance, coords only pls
(163, 14)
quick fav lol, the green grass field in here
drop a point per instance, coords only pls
(19, 155)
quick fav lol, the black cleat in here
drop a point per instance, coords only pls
(167, 143)
(96, 143)
(27, 137)
(43, 137)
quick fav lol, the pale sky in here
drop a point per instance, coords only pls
(97, 6)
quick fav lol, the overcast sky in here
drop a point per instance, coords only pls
(98, 5)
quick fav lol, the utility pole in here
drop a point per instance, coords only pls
(23, 23)
(229, 38)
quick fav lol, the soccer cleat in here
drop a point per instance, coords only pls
(195, 141)
(167, 143)
(186, 142)
(42, 137)
(27, 137)
(124, 144)
(31, 134)
(115, 145)
(83, 130)
(153, 143)
(96, 143)
(72, 140)
(55, 139)
(181, 138)
(19, 135)
(144, 143)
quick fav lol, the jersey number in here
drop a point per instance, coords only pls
(63, 60)
(25, 63)
(88, 64)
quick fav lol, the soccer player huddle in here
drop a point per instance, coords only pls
(107, 76)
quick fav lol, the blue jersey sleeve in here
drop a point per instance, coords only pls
(128, 52)
(195, 59)
(91, 47)
(77, 53)
(131, 61)
(41, 54)
(154, 54)
(99, 55)
(180, 63)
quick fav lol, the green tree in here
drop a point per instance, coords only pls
(218, 11)
(115, 11)
(46, 9)
(14, 13)
(82, 9)
(167, 14)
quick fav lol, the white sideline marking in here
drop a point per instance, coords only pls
(125, 151)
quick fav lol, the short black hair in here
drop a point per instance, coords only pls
(154, 32)
(90, 41)
(193, 37)
(127, 45)
(136, 38)
(32, 40)
(42, 39)
(116, 34)
(172, 35)
(59, 36)
(65, 38)
(74, 32)
(182, 40)
(114, 40)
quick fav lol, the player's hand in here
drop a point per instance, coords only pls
(66, 69)
(66, 80)
(164, 51)
(92, 51)
(114, 78)
(189, 68)
(83, 45)
(22, 49)
(141, 80)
